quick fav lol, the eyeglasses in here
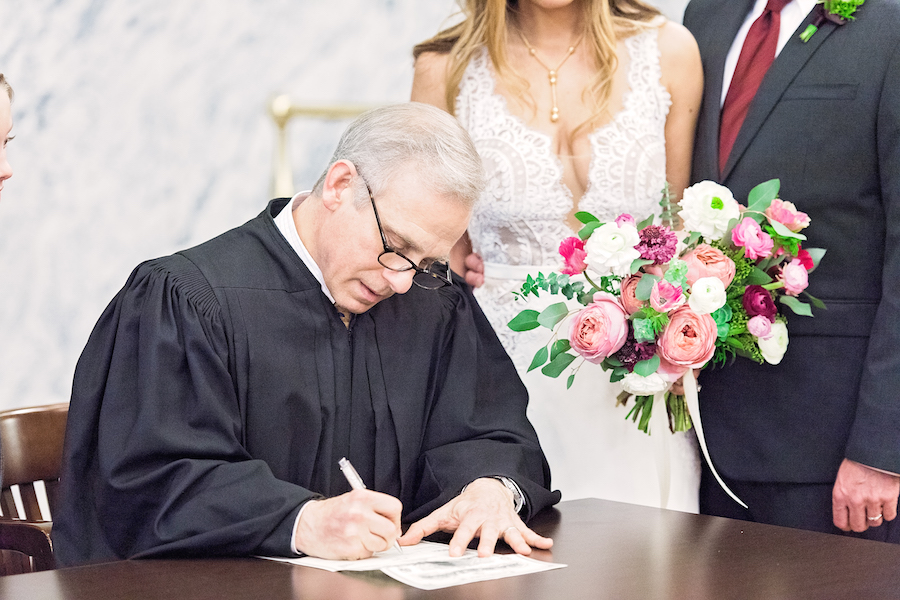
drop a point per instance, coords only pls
(431, 276)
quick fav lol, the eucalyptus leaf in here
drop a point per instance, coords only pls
(552, 315)
(783, 231)
(799, 307)
(761, 196)
(556, 366)
(637, 263)
(586, 231)
(645, 286)
(525, 321)
(815, 301)
(570, 380)
(559, 346)
(540, 357)
(648, 367)
(758, 277)
(586, 217)
(646, 222)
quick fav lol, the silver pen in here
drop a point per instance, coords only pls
(356, 483)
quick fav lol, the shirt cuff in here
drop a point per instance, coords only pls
(512, 486)
(296, 524)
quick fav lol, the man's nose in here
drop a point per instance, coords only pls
(400, 281)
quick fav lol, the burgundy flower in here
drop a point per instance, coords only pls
(658, 244)
(632, 352)
(758, 301)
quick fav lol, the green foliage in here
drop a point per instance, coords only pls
(761, 196)
(553, 314)
(795, 304)
(843, 8)
(559, 346)
(586, 217)
(556, 366)
(645, 223)
(679, 416)
(554, 283)
(676, 274)
(540, 357)
(645, 286)
(646, 368)
(641, 411)
(586, 231)
(525, 321)
(668, 216)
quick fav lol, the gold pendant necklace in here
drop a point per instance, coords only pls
(551, 73)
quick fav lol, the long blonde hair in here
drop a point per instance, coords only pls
(485, 24)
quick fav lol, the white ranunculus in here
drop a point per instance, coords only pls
(708, 207)
(774, 346)
(645, 386)
(707, 295)
(610, 249)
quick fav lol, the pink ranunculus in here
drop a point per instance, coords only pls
(706, 261)
(787, 214)
(629, 301)
(756, 242)
(599, 329)
(572, 251)
(794, 277)
(758, 301)
(665, 297)
(689, 340)
(759, 326)
(625, 218)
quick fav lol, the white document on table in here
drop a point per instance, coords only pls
(429, 566)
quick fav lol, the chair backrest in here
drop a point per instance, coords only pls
(31, 447)
(25, 547)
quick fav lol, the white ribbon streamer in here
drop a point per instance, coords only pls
(693, 403)
(659, 429)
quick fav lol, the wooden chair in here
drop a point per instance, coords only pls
(25, 547)
(31, 443)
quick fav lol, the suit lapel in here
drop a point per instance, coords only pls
(780, 75)
(722, 29)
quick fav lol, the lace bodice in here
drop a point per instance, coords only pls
(521, 217)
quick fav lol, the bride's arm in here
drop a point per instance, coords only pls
(682, 75)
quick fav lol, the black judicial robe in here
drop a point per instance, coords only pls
(219, 389)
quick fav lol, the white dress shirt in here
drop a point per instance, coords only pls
(792, 15)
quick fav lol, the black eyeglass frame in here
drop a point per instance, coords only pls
(431, 276)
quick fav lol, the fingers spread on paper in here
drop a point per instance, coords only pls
(484, 510)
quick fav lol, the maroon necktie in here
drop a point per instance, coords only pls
(756, 57)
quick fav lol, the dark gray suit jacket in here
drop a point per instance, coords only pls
(826, 121)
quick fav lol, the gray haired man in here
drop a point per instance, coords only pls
(223, 384)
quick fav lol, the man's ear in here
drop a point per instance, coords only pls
(337, 187)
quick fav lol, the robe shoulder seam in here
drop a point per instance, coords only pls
(192, 283)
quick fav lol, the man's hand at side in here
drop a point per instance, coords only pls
(350, 526)
(484, 510)
(861, 494)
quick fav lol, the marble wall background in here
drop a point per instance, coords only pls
(141, 129)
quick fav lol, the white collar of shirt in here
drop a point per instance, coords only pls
(285, 223)
(792, 15)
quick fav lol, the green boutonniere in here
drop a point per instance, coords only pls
(836, 11)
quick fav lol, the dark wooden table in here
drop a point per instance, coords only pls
(613, 550)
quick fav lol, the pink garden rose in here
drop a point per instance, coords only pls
(787, 214)
(689, 340)
(664, 296)
(572, 251)
(629, 301)
(706, 261)
(599, 329)
(759, 326)
(794, 277)
(756, 242)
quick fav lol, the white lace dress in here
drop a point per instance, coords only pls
(517, 226)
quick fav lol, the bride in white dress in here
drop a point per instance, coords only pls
(573, 105)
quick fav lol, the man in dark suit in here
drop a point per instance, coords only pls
(815, 441)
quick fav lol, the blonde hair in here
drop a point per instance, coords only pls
(5, 85)
(485, 24)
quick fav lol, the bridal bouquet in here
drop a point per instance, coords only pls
(657, 303)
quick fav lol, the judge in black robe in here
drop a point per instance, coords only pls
(220, 388)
